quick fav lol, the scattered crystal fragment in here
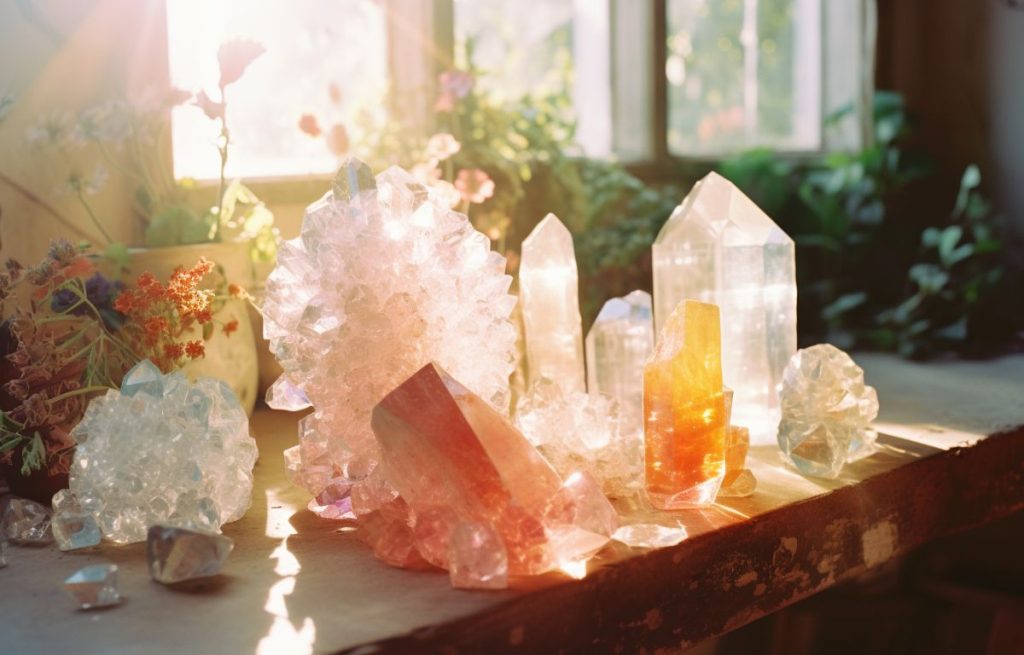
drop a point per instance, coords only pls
(685, 417)
(650, 535)
(73, 526)
(618, 345)
(26, 523)
(94, 586)
(382, 279)
(827, 411)
(719, 247)
(178, 554)
(579, 431)
(549, 290)
(478, 558)
(3, 552)
(454, 460)
(163, 450)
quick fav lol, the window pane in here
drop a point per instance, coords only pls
(310, 46)
(743, 73)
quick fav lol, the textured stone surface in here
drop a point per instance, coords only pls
(163, 450)
(827, 411)
(73, 526)
(549, 290)
(26, 522)
(94, 586)
(580, 431)
(618, 345)
(685, 414)
(459, 465)
(382, 279)
(719, 247)
(177, 554)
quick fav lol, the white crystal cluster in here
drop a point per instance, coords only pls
(579, 431)
(163, 450)
(383, 279)
(826, 411)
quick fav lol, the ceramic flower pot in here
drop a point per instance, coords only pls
(231, 358)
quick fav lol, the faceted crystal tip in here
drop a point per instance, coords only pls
(144, 376)
(352, 178)
(94, 586)
(26, 522)
(178, 554)
(73, 527)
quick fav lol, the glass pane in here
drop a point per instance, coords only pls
(743, 74)
(328, 59)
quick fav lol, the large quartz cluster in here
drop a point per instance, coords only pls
(383, 278)
(826, 411)
(162, 450)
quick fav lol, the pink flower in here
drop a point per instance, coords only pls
(213, 110)
(334, 93)
(441, 146)
(475, 185)
(309, 125)
(234, 57)
(446, 193)
(337, 140)
(454, 85)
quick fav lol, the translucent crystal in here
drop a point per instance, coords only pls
(94, 586)
(578, 431)
(619, 343)
(739, 481)
(685, 418)
(454, 460)
(286, 396)
(163, 450)
(549, 290)
(827, 411)
(73, 526)
(650, 535)
(3, 552)
(26, 522)
(178, 554)
(382, 279)
(719, 247)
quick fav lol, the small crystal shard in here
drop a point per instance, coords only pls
(3, 552)
(719, 247)
(650, 535)
(739, 481)
(685, 417)
(827, 411)
(456, 462)
(178, 554)
(94, 586)
(73, 526)
(618, 345)
(549, 290)
(27, 523)
(163, 450)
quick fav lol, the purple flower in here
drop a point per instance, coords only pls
(100, 291)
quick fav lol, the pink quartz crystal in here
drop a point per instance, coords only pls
(480, 501)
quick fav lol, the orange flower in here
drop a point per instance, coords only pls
(230, 326)
(195, 349)
(236, 290)
(173, 350)
(309, 125)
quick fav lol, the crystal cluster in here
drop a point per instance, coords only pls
(579, 431)
(178, 554)
(26, 522)
(719, 247)
(827, 411)
(383, 278)
(685, 413)
(162, 450)
(475, 497)
(549, 286)
(94, 586)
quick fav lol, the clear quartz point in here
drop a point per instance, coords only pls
(94, 586)
(73, 526)
(27, 523)
(352, 178)
(179, 554)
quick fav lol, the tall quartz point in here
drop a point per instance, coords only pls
(26, 522)
(382, 278)
(685, 414)
(827, 411)
(177, 554)
(163, 450)
(618, 345)
(94, 586)
(719, 247)
(549, 288)
(475, 497)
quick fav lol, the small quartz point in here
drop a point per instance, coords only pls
(26, 523)
(477, 557)
(618, 345)
(178, 554)
(719, 247)
(686, 418)
(739, 481)
(827, 411)
(549, 292)
(73, 526)
(94, 586)
(650, 535)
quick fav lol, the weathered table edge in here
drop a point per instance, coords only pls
(677, 597)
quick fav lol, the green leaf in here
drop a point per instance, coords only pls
(950, 237)
(844, 304)
(117, 253)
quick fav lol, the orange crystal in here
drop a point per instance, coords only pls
(685, 415)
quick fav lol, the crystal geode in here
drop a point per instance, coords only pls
(827, 411)
(163, 450)
(383, 278)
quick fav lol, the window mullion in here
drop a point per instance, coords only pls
(420, 45)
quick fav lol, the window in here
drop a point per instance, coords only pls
(651, 81)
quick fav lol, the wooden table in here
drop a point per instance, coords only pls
(952, 457)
